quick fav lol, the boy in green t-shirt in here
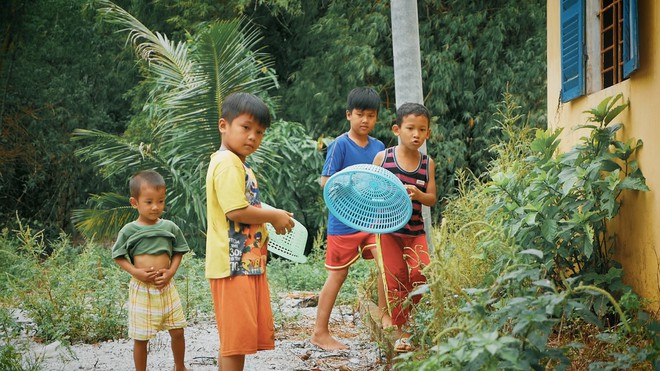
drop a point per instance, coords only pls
(150, 249)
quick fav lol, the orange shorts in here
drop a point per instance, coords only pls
(344, 249)
(243, 314)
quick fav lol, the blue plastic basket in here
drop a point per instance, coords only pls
(368, 198)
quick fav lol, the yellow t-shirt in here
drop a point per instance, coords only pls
(232, 249)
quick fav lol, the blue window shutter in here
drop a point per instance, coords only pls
(630, 38)
(572, 49)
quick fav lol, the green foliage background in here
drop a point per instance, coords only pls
(61, 70)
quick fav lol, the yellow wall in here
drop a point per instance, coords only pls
(638, 224)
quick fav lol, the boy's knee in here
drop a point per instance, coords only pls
(140, 345)
(176, 333)
(338, 274)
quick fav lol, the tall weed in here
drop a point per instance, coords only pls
(467, 243)
(68, 292)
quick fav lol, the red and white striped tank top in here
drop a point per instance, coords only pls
(419, 178)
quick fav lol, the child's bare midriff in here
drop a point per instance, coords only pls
(160, 261)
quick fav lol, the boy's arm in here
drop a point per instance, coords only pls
(333, 161)
(280, 219)
(429, 197)
(378, 160)
(141, 274)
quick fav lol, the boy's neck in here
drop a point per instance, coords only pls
(403, 152)
(223, 148)
(361, 140)
(147, 222)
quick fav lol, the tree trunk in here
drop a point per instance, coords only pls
(408, 69)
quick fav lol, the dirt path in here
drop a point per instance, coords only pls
(293, 351)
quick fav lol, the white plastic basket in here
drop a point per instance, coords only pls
(291, 245)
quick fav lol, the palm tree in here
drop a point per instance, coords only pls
(188, 81)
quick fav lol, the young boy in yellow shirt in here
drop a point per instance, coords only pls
(237, 238)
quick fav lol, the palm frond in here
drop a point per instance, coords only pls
(228, 52)
(107, 214)
(190, 80)
(225, 61)
(114, 154)
(168, 59)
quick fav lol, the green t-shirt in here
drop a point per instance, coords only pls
(162, 237)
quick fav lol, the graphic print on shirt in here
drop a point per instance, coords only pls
(247, 248)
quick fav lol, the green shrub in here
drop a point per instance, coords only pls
(545, 233)
(68, 292)
(78, 294)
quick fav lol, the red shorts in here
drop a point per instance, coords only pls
(243, 314)
(400, 260)
(345, 249)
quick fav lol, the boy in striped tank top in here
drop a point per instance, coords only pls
(401, 255)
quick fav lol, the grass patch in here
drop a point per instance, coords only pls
(77, 294)
(286, 276)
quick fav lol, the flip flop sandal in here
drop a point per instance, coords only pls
(403, 345)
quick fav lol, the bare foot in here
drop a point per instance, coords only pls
(403, 345)
(327, 342)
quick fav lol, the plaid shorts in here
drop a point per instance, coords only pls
(151, 310)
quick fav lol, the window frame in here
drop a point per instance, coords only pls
(574, 51)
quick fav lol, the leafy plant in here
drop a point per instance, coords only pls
(187, 83)
(293, 184)
(62, 294)
(77, 294)
(562, 204)
(548, 218)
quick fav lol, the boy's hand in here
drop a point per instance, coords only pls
(413, 192)
(147, 275)
(283, 222)
(163, 278)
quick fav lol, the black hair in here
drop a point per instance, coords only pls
(412, 109)
(363, 98)
(150, 177)
(236, 104)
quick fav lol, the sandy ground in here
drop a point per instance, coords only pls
(293, 351)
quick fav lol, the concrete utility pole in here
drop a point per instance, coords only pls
(408, 69)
